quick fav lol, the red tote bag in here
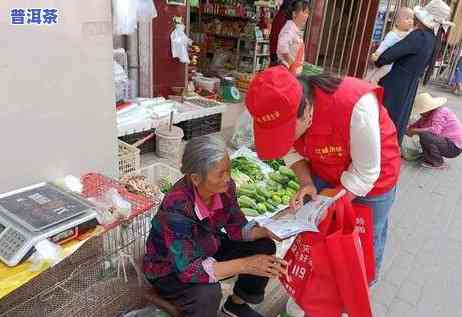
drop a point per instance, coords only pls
(311, 281)
(347, 259)
(365, 227)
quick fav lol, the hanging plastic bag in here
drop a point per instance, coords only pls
(146, 10)
(180, 42)
(120, 82)
(411, 149)
(243, 132)
(293, 310)
(124, 16)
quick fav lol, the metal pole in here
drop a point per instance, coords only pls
(188, 26)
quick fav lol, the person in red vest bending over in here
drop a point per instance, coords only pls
(333, 133)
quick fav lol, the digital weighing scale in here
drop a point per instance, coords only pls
(31, 214)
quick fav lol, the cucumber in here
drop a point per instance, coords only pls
(290, 192)
(263, 192)
(270, 207)
(285, 199)
(250, 212)
(259, 198)
(273, 203)
(246, 192)
(279, 178)
(247, 202)
(261, 208)
(271, 184)
(276, 199)
(293, 185)
(249, 187)
(285, 171)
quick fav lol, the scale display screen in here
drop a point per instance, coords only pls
(42, 207)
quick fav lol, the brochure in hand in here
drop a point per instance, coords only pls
(306, 218)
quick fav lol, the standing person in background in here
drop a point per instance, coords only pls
(278, 23)
(291, 48)
(410, 57)
(403, 25)
(457, 78)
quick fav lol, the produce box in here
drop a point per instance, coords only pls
(263, 188)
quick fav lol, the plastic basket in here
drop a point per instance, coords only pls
(146, 147)
(129, 158)
(201, 126)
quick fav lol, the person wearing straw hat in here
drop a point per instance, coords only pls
(439, 130)
(410, 57)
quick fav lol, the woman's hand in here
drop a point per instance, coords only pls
(298, 199)
(262, 232)
(265, 265)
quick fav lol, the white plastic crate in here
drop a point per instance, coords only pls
(129, 158)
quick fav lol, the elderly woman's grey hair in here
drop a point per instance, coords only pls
(203, 153)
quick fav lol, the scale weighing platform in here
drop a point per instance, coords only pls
(32, 214)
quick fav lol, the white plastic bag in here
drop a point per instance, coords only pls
(124, 16)
(146, 10)
(120, 82)
(243, 132)
(293, 309)
(122, 207)
(180, 42)
(46, 254)
(411, 149)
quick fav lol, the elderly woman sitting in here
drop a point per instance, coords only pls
(200, 236)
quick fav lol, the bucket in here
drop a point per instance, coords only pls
(168, 143)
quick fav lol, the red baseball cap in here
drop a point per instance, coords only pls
(273, 100)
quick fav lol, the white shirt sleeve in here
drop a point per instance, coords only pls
(365, 147)
(292, 157)
(284, 40)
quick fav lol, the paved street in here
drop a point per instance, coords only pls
(422, 274)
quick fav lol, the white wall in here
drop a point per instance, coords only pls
(56, 94)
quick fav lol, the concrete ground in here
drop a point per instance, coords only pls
(423, 256)
(421, 272)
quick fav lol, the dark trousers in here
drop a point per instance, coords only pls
(435, 148)
(203, 300)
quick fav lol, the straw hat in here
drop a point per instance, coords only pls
(434, 14)
(425, 102)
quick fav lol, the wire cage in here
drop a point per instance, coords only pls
(102, 278)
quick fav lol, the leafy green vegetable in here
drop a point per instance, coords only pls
(247, 202)
(165, 184)
(247, 167)
(239, 177)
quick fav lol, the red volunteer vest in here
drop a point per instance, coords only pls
(326, 144)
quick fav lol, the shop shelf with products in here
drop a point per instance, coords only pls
(252, 55)
(233, 35)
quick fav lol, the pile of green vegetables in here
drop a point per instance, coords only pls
(259, 194)
(248, 167)
(275, 164)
